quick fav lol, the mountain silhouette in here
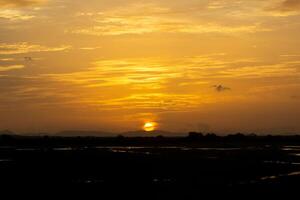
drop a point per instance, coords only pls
(83, 133)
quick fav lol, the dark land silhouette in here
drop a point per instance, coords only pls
(159, 167)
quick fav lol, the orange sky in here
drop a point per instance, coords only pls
(112, 65)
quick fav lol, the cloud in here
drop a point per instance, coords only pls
(24, 47)
(7, 59)
(284, 91)
(143, 26)
(221, 88)
(90, 48)
(260, 71)
(11, 67)
(34, 91)
(290, 55)
(295, 97)
(286, 8)
(161, 73)
(19, 3)
(151, 18)
(140, 73)
(139, 85)
(13, 9)
(290, 5)
(160, 102)
(14, 15)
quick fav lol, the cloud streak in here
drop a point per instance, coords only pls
(19, 3)
(11, 67)
(289, 5)
(157, 73)
(24, 47)
(286, 8)
(151, 18)
(15, 15)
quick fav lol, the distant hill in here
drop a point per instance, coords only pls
(141, 133)
(86, 133)
(138, 133)
(6, 132)
(78, 133)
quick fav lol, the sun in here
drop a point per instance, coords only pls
(149, 126)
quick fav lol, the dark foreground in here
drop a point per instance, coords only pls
(160, 168)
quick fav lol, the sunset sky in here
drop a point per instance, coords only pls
(203, 65)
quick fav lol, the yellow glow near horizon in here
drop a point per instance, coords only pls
(149, 126)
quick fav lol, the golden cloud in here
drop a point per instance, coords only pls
(158, 73)
(160, 102)
(151, 18)
(11, 67)
(24, 47)
(265, 71)
(14, 15)
(286, 8)
(289, 5)
(19, 3)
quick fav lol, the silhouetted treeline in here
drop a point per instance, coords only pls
(7, 138)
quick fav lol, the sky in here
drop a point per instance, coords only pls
(219, 66)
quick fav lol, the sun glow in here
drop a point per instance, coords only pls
(149, 126)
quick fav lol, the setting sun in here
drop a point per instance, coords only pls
(149, 126)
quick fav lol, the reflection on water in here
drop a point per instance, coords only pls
(291, 148)
(26, 149)
(166, 147)
(149, 150)
(132, 149)
(281, 162)
(296, 173)
(152, 150)
(63, 149)
(236, 164)
(5, 160)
